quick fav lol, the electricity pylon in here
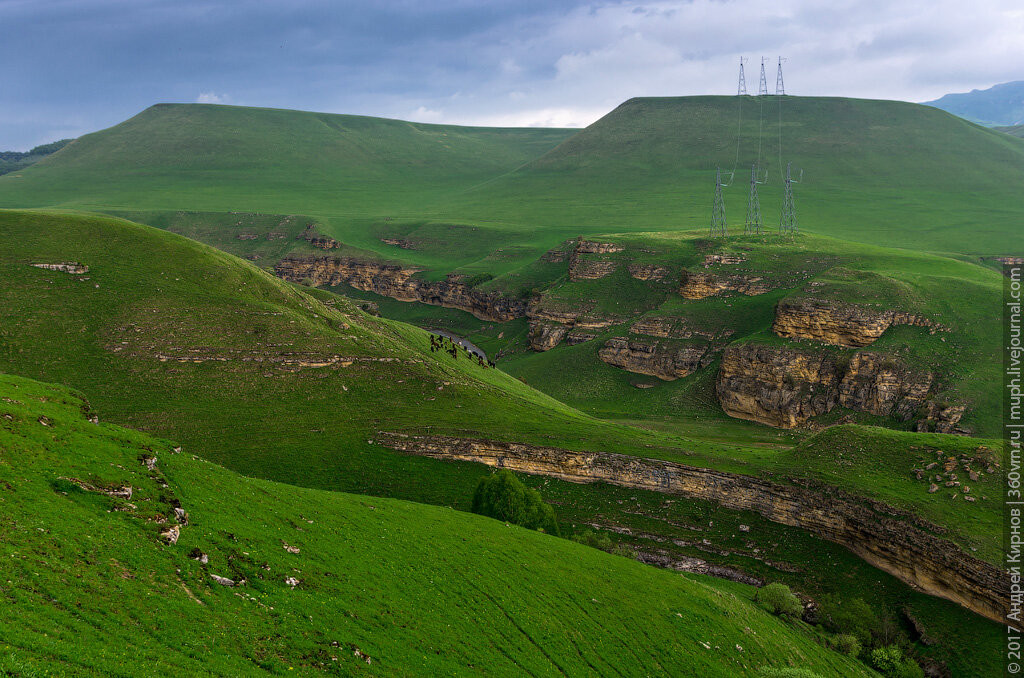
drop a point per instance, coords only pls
(718, 225)
(762, 89)
(753, 225)
(788, 225)
(742, 89)
(780, 88)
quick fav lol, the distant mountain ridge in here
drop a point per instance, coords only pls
(999, 105)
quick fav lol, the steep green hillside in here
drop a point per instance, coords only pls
(292, 384)
(199, 156)
(880, 172)
(170, 335)
(322, 582)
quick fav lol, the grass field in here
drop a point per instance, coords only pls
(877, 172)
(149, 294)
(90, 588)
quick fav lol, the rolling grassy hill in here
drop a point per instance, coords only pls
(322, 582)
(879, 172)
(291, 384)
(199, 156)
(276, 381)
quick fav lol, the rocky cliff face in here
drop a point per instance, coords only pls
(891, 540)
(838, 323)
(648, 272)
(548, 327)
(701, 284)
(785, 387)
(582, 267)
(397, 282)
(655, 357)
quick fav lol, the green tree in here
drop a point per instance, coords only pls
(779, 600)
(503, 496)
(853, 617)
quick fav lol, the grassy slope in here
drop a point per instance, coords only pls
(174, 156)
(881, 172)
(159, 292)
(421, 590)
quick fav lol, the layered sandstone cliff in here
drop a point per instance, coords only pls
(838, 323)
(785, 387)
(655, 357)
(702, 284)
(397, 282)
(892, 540)
(582, 267)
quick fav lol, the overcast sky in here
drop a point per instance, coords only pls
(75, 66)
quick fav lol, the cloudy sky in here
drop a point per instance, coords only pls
(75, 66)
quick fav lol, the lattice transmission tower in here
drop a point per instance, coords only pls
(788, 224)
(780, 88)
(718, 224)
(754, 224)
(762, 89)
(742, 88)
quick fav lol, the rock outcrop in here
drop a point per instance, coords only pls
(65, 267)
(701, 284)
(892, 540)
(397, 282)
(549, 327)
(838, 323)
(785, 387)
(658, 358)
(648, 271)
(588, 268)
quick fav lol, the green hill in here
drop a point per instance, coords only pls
(199, 156)
(880, 172)
(292, 384)
(322, 582)
(1014, 130)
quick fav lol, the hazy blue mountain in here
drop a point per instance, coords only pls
(998, 105)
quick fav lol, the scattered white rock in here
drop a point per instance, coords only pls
(171, 534)
(223, 581)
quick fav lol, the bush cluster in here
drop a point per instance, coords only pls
(503, 496)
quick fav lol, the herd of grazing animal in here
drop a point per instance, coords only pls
(439, 342)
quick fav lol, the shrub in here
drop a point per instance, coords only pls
(779, 600)
(853, 617)
(845, 643)
(503, 496)
(888, 659)
(479, 279)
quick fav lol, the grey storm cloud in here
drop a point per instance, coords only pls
(75, 66)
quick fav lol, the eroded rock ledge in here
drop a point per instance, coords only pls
(838, 323)
(590, 268)
(892, 540)
(700, 284)
(664, 359)
(784, 387)
(397, 282)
